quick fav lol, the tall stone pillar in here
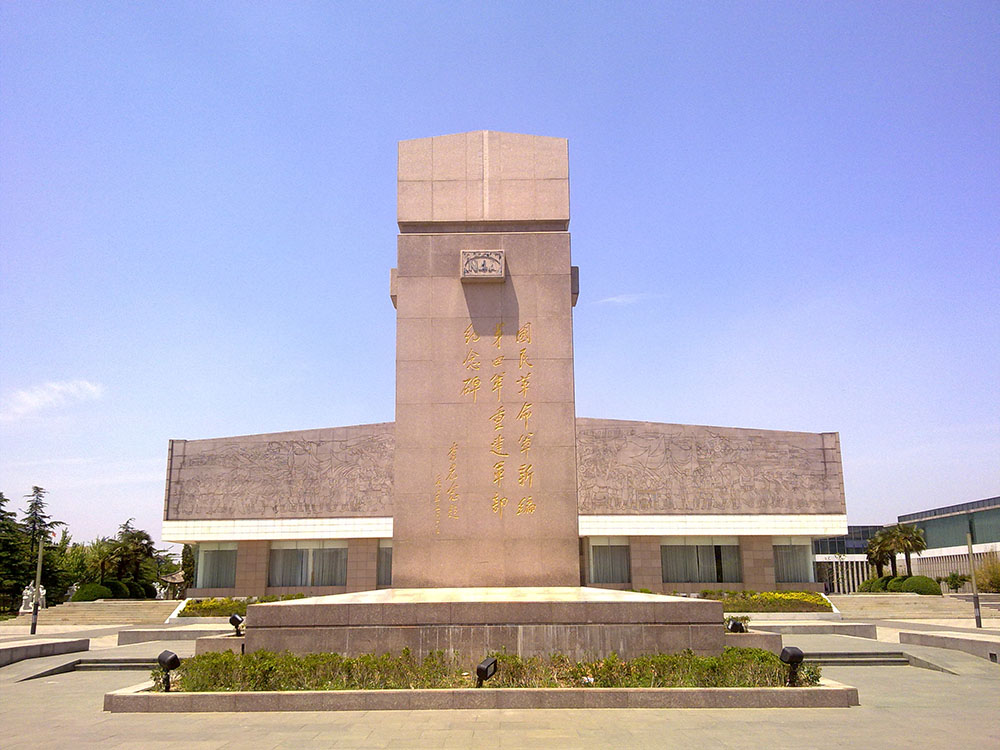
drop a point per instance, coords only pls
(485, 461)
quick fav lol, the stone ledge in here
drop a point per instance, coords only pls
(15, 651)
(828, 694)
(984, 645)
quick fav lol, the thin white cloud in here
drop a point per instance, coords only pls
(51, 395)
(625, 299)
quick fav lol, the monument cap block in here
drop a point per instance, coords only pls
(484, 178)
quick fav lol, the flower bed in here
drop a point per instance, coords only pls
(268, 671)
(769, 601)
(225, 606)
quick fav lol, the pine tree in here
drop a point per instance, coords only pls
(37, 522)
(14, 557)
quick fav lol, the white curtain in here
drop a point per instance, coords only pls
(700, 563)
(218, 569)
(330, 567)
(791, 563)
(611, 564)
(289, 567)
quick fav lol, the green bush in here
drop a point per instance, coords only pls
(881, 584)
(135, 590)
(921, 585)
(149, 590)
(896, 584)
(118, 589)
(265, 670)
(866, 586)
(89, 592)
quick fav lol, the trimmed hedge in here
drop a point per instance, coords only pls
(118, 589)
(768, 601)
(881, 584)
(265, 670)
(896, 584)
(89, 592)
(921, 585)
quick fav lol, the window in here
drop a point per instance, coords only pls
(609, 559)
(308, 563)
(792, 560)
(216, 565)
(700, 560)
(384, 566)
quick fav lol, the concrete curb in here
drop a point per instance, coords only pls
(828, 694)
(985, 646)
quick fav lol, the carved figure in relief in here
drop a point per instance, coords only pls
(285, 478)
(638, 469)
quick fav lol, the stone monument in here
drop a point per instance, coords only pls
(486, 551)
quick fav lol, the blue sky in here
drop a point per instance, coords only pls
(785, 216)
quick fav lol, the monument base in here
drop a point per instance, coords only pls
(579, 622)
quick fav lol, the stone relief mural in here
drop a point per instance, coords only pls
(314, 474)
(640, 467)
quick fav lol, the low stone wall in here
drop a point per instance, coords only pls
(828, 694)
(755, 639)
(15, 651)
(183, 633)
(216, 643)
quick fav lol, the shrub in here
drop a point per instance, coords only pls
(988, 575)
(89, 592)
(896, 584)
(921, 585)
(881, 584)
(265, 670)
(866, 586)
(135, 590)
(769, 601)
(225, 605)
(149, 590)
(118, 589)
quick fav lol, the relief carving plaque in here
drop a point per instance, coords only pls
(483, 265)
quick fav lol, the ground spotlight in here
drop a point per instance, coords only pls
(167, 660)
(792, 656)
(735, 626)
(236, 621)
(485, 670)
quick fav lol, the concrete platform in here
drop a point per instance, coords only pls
(15, 651)
(176, 633)
(983, 645)
(828, 694)
(580, 622)
(857, 629)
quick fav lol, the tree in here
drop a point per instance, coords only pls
(907, 540)
(187, 565)
(135, 547)
(879, 553)
(37, 522)
(102, 557)
(14, 558)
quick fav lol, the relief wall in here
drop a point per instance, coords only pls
(339, 472)
(654, 468)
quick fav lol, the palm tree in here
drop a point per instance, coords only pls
(102, 556)
(880, 554)
(134, 547)
(907, 539)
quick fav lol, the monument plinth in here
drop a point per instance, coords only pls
(486, 551)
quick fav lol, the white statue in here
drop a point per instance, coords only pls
(26, 598)
(41, 597)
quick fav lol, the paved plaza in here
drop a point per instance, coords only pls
(901, 707)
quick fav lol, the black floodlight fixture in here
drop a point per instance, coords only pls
(167, 660)
(486, 670)
(236, 620)
(735, 626)
(792, 656)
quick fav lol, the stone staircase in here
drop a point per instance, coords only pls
(903, 607)
(102, 612)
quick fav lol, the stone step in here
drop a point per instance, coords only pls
(858, 658)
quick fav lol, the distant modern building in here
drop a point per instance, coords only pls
(945, 532)
(841, 562)
(487, 477)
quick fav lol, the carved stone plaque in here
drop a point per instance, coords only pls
(483, 265)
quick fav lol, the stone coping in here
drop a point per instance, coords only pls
(137, 699)
(983, 645)
(484, 606)
(14, 651)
